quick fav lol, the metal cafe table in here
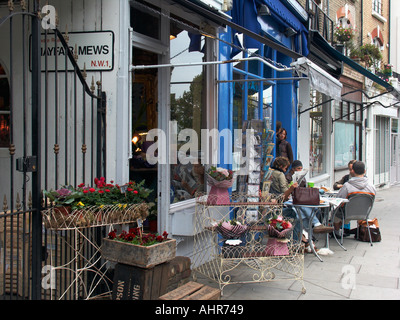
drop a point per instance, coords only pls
(324, 206)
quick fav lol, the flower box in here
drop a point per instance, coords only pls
(63, 218)
(136, 255)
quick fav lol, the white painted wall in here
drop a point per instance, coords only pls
(79, 16)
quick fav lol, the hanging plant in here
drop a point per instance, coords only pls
(368, 53)
(344, 34)
(387, 69)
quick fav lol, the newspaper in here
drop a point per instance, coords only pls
(299, 176)
(335, 202)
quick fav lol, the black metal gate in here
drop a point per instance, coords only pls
(56, 132)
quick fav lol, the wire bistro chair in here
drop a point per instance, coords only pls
(358, 208)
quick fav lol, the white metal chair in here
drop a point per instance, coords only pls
(358, 208)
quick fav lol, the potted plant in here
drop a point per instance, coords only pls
(220, 180)
(279, 230)
(231, 229)
(138, 249)
(63, 198)
(387, 69)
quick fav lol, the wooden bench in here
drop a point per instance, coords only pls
(193, 291)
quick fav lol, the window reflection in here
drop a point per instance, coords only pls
(187, 110)
(317, 143)
(4, 110)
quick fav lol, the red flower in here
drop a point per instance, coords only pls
(92, 190)
(129, 189)
(107, 190)
(85, 191)
(112, 235)
(135, 192)
(129, 237)
(101, 191)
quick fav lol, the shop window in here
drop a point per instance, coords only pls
(4, 109)
(188, 111)
(348, 124)
(395, 125)
(246, 107)
(317, 134)
(382, 148)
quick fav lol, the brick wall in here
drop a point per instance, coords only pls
(371, 22)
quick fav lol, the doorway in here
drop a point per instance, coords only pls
(144, 119)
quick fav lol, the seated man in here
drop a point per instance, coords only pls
(358, 183)
(339, 184)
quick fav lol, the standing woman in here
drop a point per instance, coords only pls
(284, 148)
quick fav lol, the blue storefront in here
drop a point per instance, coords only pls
(252, 89)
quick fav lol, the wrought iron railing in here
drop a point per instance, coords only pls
(57, 137)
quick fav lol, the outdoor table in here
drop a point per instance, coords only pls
(323, 205)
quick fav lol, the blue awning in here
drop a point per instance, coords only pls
(244, 13)
(256, 37)
(286, 18)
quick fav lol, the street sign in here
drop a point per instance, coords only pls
(94, 49)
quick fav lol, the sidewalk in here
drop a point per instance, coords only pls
(360, 273)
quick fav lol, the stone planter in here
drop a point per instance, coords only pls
(138, 256)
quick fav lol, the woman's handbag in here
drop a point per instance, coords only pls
(306, 196)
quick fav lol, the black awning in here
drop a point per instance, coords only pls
(355, 66)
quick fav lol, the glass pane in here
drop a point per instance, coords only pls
(352, 111)
(338, 110)
(146, 22)
(317, 143)
(395, 125)
(357, 142)
(382, 143)
(4, 95)
(346, 143)
(4, 131)
(187, 110)
(359, 112)
(251, 102)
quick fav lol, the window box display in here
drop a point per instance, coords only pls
(137, 249)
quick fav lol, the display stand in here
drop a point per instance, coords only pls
(82, 270)
(222, 260)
